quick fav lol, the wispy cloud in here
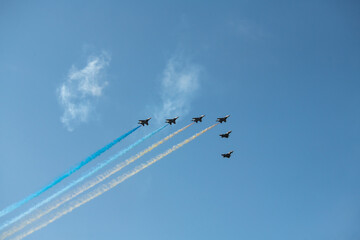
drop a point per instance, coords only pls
(179, 83)
(248, 29)
(81, 88)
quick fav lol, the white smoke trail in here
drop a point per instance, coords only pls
(88, 185)
(106, 187)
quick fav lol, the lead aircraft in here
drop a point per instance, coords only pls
(223, 119)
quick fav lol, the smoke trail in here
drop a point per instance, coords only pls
(89, 185)
(82, 178)
(105, 187)
(65, 175)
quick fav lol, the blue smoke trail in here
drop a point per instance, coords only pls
(94, 170)
(65, 175)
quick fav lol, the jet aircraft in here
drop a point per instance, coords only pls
(223, 119)
(198, 119)
(171, 120)
(143, 122)
(227, 155)
(225, 135)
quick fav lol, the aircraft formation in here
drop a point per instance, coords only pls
(196, 120)
(66, 191)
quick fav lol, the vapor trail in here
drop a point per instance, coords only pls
(82, 178)
(89, 185)
(105, 187)
(65, 175)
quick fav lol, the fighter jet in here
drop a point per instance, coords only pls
(225, 135)
(223, 119)
(198, 119)
(227, 155)
(171, 120)
(143, 122)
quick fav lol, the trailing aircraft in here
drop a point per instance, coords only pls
(227, 155)
(198, 119)
(225, 135)
(223, 119)
(143, 122)
(171, 120)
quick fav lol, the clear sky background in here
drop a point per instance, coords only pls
(288, 72)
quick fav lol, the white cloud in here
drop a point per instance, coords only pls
(179, 83)
(80, 89)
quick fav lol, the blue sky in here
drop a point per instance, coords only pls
(287, 72)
